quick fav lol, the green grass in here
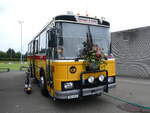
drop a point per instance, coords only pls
(12, 65)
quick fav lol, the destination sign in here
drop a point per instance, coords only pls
(87, 20)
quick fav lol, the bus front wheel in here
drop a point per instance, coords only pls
(43, 85)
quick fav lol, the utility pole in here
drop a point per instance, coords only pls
(21, 22)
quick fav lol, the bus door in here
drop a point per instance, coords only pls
(49, 58)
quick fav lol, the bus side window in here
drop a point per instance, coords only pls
(28, 49)
(36, 46)
(43, 42)
(49, 49)
(49, 37)
(31, 50)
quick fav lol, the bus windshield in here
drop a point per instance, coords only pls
(75, 34)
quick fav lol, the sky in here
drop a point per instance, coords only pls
(122, 15)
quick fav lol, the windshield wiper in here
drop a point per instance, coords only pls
(89, 38)
(89, 41)
(78, 58)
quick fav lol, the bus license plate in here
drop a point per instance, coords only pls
(73, 96)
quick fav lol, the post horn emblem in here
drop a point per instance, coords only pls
(73, 69)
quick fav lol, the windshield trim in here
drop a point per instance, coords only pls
(64, 21)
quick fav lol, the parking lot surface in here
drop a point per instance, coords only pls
(14, 100)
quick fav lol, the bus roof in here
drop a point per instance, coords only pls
(74, 18)
(82, 19)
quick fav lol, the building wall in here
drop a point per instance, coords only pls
(132, 51)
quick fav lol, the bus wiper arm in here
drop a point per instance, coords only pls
(78, 58)
(89, 39)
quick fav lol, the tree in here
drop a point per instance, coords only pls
(10, 53)
(3, 54)
(17, 55)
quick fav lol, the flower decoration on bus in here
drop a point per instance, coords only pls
(93, 54)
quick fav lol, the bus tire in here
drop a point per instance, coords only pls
(43, 84)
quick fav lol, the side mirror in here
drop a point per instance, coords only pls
(52, 42)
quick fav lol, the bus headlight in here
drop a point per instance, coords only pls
(91, 79)
(68, 85)
(101, 78)
(110, 79)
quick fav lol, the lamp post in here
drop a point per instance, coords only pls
(21, 22)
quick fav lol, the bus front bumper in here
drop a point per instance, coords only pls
(85, 92)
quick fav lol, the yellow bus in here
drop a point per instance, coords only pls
(57, 58)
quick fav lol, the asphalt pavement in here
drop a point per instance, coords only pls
(14, 100)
